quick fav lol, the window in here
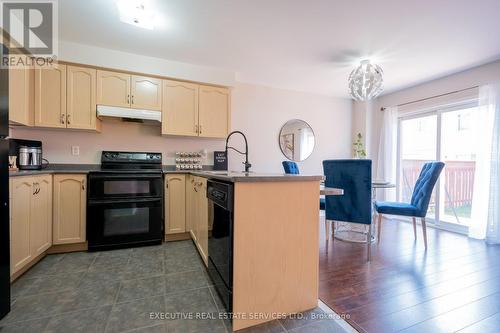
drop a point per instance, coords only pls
(446, 134)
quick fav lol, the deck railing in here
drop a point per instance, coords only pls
(458, 180)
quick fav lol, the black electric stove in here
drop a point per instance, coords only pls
(125, 201)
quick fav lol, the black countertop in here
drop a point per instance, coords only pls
(228, 176)
(57, 168)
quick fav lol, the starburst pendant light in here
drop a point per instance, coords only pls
(365, 81)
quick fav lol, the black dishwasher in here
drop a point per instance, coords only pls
(220, 240)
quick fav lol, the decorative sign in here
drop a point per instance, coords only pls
(220, 160)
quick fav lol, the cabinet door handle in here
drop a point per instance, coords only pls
(200, 129)
(68, 119)
(83, 185)
(34, 188)
(62, 119)
(128, 99)
(196, 129)
(132, 99)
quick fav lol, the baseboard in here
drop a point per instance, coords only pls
(23, 270)
(177, 237)
(64, 248)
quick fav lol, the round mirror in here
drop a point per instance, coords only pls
(296, 140)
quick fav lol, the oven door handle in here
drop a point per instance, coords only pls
(131, 176)
(96, 202)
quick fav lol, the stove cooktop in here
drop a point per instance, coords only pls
(131, 162)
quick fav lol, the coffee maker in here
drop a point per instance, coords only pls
(28, 153)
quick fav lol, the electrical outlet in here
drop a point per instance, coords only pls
(75, 150)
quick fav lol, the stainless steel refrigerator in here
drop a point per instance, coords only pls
(4, 189)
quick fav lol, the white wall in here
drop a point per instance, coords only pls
(98, 56)
(260, 112)
(115, 135)
(256, 110)
(473, 77)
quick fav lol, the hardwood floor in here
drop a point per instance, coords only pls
(453, 286)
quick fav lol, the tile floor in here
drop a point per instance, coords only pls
(116, 291)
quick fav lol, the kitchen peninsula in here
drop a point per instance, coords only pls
(275, 236)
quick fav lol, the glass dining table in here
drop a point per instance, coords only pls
(355, 232)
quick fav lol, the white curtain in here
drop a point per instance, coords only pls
(387, 149)
(486, 201)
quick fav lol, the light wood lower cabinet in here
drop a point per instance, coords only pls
(21, 193)
(190, 206)
(202, 219)
(70, 200)
(31, 219)
(197, 212)
(175, 203)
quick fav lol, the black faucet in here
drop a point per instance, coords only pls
(247, 165)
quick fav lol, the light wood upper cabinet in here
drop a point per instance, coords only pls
(180, 108)
(31, 219)
(21, 96)
(50, 97)
(113, 88)
(81, 98)
(41, 220)
(214, 104)
(124, 90)
(21, 192)
(145, 93)
(69, 223)
(175, 203)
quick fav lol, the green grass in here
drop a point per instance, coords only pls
(461, 211)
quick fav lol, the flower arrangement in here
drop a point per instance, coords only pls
(358, 147)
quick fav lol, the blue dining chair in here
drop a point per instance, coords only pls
(417, 208)
(292, 168)
(355, 206)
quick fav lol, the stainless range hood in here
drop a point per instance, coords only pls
(128, 113)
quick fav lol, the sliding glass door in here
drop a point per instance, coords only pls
(448, 135)
(418, 145)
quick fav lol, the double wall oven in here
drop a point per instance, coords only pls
(125, 201)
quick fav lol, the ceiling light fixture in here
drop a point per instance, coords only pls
(136, 13)
(365, 81)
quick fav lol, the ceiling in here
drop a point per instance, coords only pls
(301, 45)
